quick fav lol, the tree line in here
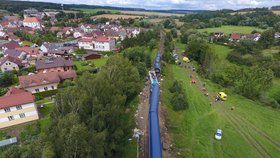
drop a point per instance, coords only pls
(91, 117)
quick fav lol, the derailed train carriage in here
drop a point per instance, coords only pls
(157, 64)
(155, 149)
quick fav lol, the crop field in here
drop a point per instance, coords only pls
(232, 29)
(277, 12)
(94, 11)
(250, 130)
(143, 13)
(118, 16)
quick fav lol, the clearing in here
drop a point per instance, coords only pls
(117, 16)
(231, 29)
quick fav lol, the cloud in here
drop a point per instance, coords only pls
(175, 4)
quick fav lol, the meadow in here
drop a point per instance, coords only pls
(250, 130)
(94, 11)
(118, 16)
(232, 29)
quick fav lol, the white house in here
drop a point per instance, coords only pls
(99, 43)
(32, 22)
(77, 34)
(44, 81)
(39, 82)
(86, 43)
(103, 43)
(17, 107)
(10, 63)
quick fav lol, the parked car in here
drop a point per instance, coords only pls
(218, 134)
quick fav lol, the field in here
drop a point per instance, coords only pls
(277, 12)
(143, 13)
(94, 11)
(251, 130)
(232, 29)
(118, 16)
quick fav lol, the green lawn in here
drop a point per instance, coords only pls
(46, 120)
(84, 65)
(45, 112)
(247, 129)
(231, 29)
(26, 43)
(100, 62)
(221, 51)
(94, 11)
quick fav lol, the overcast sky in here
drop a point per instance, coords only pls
(175, 4)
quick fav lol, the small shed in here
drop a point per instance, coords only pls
(91, 55)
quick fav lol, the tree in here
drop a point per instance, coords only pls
(267, 38)
(95, 108)
(176, 87)
(7, 79)
(179, 102)
(174, 32)
(277, 27)
(197, 48)
(252, 81)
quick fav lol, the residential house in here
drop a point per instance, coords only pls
(112, 34)
(10, 45)
(86, 43)
(57, 53)
(32, 22)
(254, 37)
(54, 65)
(12, 37)
(32, 52)
(10, 18)
(1, 27)
(3, 35)
(49, 46)
(103, 43)
(17, 107)
(99, 43)
(44, 81)
(17, 54)
(277, 35)
(133, 32)
(77, 34)
(9, 63)
(219, 34)
(60, 34)
(235, 37)
(91, 55)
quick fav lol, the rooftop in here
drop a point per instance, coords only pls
(51, 63)
(16, 97)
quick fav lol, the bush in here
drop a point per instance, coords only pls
(269, 101)
(179, 102)
(41, 95)
(176, 87)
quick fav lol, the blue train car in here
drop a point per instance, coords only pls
(157, 63)
(154, 129)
